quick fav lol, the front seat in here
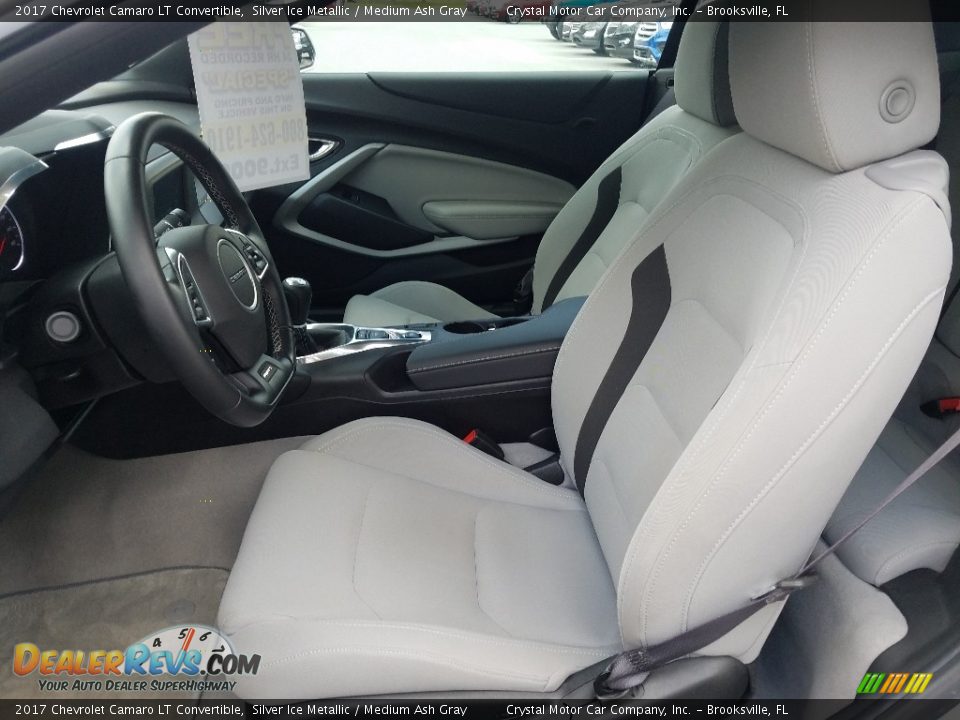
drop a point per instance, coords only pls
(605, 213)
(712, 401)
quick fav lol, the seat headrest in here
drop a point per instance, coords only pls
(701, 75)
(841, 95)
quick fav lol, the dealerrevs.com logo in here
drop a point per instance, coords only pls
(188, 659)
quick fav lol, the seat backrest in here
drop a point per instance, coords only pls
(602, 216)
(725, 380)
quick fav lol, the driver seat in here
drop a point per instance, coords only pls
(712, 401)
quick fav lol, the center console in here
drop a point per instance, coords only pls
(447, 356)
(491, 373)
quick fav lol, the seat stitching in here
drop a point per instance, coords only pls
(470, 361)
(621, 506)
(656, 219)
(838, 303)
(815, 96)
(782, 472)
(621, 156)
(476, 577)
(797, 364)
(429, 630)
(577, 508)
(356, 553)
(450, 440)
(715, 51)
(435, 658)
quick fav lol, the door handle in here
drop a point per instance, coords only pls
(319, 148)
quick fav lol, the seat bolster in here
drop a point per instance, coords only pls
(419, 450)
(359, 657)
(410, 302)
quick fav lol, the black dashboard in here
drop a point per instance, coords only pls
(64, 308)
(55, 218)
(58, 217)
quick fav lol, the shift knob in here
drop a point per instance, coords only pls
(298, 294)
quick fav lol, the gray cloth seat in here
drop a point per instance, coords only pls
(605, 213)
(712, 400)
(921, 529)
(421, 552)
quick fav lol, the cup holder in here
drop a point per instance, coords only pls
(466, 327)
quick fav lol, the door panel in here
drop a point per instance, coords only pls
(386, 201)
(412, 177)
(444, 177)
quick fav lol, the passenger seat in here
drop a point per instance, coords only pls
(609, 209)
(921, 529)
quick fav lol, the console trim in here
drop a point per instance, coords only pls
(356, 345)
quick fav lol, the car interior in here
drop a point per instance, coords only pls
(534, 369)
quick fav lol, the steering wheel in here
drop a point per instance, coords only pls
(210, 296)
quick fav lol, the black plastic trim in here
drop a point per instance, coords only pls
(520, 351)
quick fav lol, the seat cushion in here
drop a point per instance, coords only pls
(389, 556)
(409, 303)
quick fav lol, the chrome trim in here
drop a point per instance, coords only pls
(30, 166)
(250, 274)
(354, 345)
(87, 139)
(326, 146)
(245, 239)
(23, 240)
(179, 261)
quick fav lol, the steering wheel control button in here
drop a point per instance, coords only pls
(256, 259)
(238, 274)
(63, 326)
(197, 308)
(267, 371)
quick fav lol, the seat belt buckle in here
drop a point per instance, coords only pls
(605, 694)
(483, 442)
(785, 588)
(941, 408)
(523, 293)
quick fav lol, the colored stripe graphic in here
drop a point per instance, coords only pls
(894, 683)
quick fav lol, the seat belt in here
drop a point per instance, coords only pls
(629, 669)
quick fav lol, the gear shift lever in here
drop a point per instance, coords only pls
(298, 295)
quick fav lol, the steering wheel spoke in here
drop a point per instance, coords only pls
(267, 378)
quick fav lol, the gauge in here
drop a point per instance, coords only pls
(200, 641)
(11, 242)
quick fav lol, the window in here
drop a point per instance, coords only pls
(491, 36)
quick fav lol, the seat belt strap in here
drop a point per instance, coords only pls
(629, 669)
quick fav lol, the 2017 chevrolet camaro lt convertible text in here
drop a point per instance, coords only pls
(557, 382)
